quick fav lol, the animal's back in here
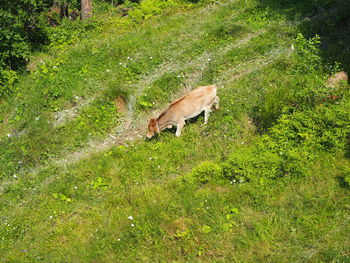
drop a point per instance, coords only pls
(194, 102)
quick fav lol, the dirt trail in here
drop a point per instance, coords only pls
(133, 126)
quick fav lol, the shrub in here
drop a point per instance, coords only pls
(305, 85)
(21, 30)
(249, 163)
(149, 8)
(207, 171)
(307, 54)
(7, 79)
(347, 179)
(291, 144)
(68, 32)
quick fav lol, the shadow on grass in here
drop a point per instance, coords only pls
(330, 19)
(342, 183)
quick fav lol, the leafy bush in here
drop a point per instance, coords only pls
(24, 29)
(21, 33)
(7, 79)
(306, 86)
(323, 128)
(149, 8)
(207, 171)
(347, 179)
(307, 53)
(21, 30)
(345, 176)
(248, 163)
(68, 32)
(290, 145)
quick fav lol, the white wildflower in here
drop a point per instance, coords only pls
(132, 225)
(9, 135)
(14, 176)
(130, 218)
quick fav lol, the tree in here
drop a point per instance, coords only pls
(86, 9)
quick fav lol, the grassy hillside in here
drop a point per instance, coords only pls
(266, 180)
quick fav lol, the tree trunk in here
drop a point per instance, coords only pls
(86, 9)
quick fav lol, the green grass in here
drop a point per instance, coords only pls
(219, 193)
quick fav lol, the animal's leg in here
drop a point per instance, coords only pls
(180, 125)
(206, 114)
(216, 103)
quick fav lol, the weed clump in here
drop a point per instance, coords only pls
(247, 164)
(292, 143)
(206, 172)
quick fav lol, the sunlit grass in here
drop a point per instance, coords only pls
(167, 200)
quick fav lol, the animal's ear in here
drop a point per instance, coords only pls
(152, 121)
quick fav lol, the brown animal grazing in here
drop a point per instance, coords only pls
(337, 79)
(198, 100)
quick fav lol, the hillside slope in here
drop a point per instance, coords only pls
(266, 180)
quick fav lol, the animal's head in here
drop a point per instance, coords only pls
(152, 128)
